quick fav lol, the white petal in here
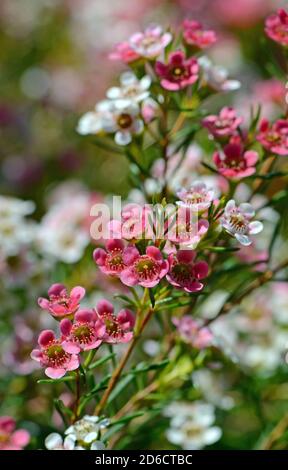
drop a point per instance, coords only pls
(175, 436)
(128, 78)
(53, 441)
(97, 445)
(90, 437)
(113, 93)
(89, 123)
(69, 443)
(243, 239)
(255, 227)
(123, 138)
(138, 126)
(211, 435)
(230, 206)
(145, 82)
(247, 209)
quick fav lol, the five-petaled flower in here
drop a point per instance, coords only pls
(276, 27)
(10, 438)
(53, 356)
(195, 35)
(150, 43)
(186, 273)
(131, 89)
(237, 221)
(274, 138)
(84, 333)
(198, 197)
(224, 124)
(178, 73)
(235, 162)
(61, 304)
(186, 229)
(110, 261)
(118, 328)
(146, 270)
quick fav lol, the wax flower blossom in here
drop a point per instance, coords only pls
(117, 327)
(223, 125)
(186, 229)
(61, 304)
(274, 138)
(178, 73)
(198, 197)
(192, 333)
(92, 122)
(276, 27)
(237, 222)
(235, 163)
(145, 270)
(150, 43)
(134, 223)
(186, 273)
(84, 434)
(195, 35)
(85, 333)
(110, 261)
(10, 438)
(131, 89)
(124, 52)
(53, 357)
(215, 76)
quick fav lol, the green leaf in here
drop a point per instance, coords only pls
(128, 418)
(68, 378)
(102, 361)
(120, 387)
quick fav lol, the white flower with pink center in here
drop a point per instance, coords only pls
(198, 197)
(150, 43)
(53, 357)
(118, 328)
(145, 270)
(84, 333)
(237, 221)
(186, 229)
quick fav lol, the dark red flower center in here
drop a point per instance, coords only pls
(114, 260)
(146, 268)
(124, 121)
(82, 333)
(55, 354)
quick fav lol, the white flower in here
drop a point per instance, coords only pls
(132, 90)
(216, 76)
(86, 431)
(118, 117)
(198, 197)
(66, 244)
(237, 222)
(191, 425)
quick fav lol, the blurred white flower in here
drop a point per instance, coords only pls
(191, 425)
(131, 90)
(216, 76)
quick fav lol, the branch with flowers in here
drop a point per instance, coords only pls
(169, 253)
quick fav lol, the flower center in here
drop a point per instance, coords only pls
(181, 273)
(112, 325)
(55, 354)
(178, 72)
(82, 333)
(238, 222)
(115, 260)
(146, 268)
(124, 121)
(195, 198)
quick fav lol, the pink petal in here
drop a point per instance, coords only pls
(46, 337)
(186, 256)
(99, 256)
(7, 424)
(201, 269)
(251, 157)
(56, 289)
(20, 438)
(115, 244)
(85, 316)
(128, 277)
(154, 253)
(65, 327)
(130, 254)
(71, 347)
(104, 306)
(43, 303)
(37, 355)
(73, 363)
(55, 373)
(126, 316)
(77, 293)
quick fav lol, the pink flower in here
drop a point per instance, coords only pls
(134, 224)
(124, 52)
(198, 197)
(110, 261)
(223, 125)
(53, 356)
(274, 138)
(195, 35)
(191, 332)
(9, 438)
(276, 27)
(151, 43)
(146, 270)
(85, 333)
(235, 162)
(178, 73)
(60, 303)
(118, 327)
(187, 229)
(237, 222)
(185, 273)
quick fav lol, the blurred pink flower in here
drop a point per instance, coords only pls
(53, 356)
(85, 333)
(190, 330)
(151, 43)
(9, 438)
(60, 303)
(134, 223)
(235, 162)
(223, 125)
(195, 35)
(186, 229)
(184, 272)
(145, 270)
(178, 73)
(276, 27)
(124, 52)
(274, 138)
(118, 327)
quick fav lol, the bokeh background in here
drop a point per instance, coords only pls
(54, 67)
